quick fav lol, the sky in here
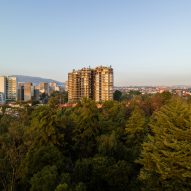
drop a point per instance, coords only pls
(147, 42)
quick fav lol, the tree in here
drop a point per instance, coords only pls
(59, 97)
(12, 150)
(3, 109)
(160, 99)
(86, 128)
(62, 187)
(136, 132)
(92, 172)
(117, 95)
(53, 102)
(118, 176)
(80, 187)
(44, 180)
(113, 115)
(166, 154)
(43, 128)
(107, 144)
(44, 156)
(134, 92)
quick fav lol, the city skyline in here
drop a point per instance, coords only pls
(146, 42)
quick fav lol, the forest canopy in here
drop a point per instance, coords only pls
(139, 144)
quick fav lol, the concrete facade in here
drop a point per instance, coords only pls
(95, 84)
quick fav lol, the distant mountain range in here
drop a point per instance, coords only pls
(36, 80)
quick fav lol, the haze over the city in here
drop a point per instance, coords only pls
(146, 42)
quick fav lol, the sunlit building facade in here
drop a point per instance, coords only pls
(44, 87)
(95, 84)
(11, 88)
(74, 86)
(3, 82)
(28, 91)
(103, 86)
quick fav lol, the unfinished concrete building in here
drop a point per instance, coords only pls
(95, 84)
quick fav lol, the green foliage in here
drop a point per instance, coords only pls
(44, 180)
(136, 123)
(44, 127)
(5, 123)
(12, 150)
(87, 128)
(43, 156)
(166, 154)
(91, 171)
(136, 131)
(141, 143)
(58, 98)
(119, 175)
(117, 95)
(80, 187)
(134, 93)
(107, 144)
(62, 187)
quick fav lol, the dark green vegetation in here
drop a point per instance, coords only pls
(135, 145)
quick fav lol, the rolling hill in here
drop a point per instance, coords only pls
(36, 80)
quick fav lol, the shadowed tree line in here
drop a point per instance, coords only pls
(139, 144)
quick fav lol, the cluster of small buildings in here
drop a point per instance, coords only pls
(12, 91)
(180, 91)
(95, 84)
(142, 89)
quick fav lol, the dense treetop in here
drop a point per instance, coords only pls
(139, 143)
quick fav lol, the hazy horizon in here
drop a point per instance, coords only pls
(146, 42)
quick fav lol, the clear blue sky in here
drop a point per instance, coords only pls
(147, 42)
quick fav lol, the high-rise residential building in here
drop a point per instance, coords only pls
(94, 84)
(11, 88)
(53, 87)
(103, 87)
(86, 83)
(36, 93)
(44, 87)
(25, 91)
(80, 84)
(8, 88)
(28, 91)
(20, 91)
(73, 86)
(3, 82)
(53, 84)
